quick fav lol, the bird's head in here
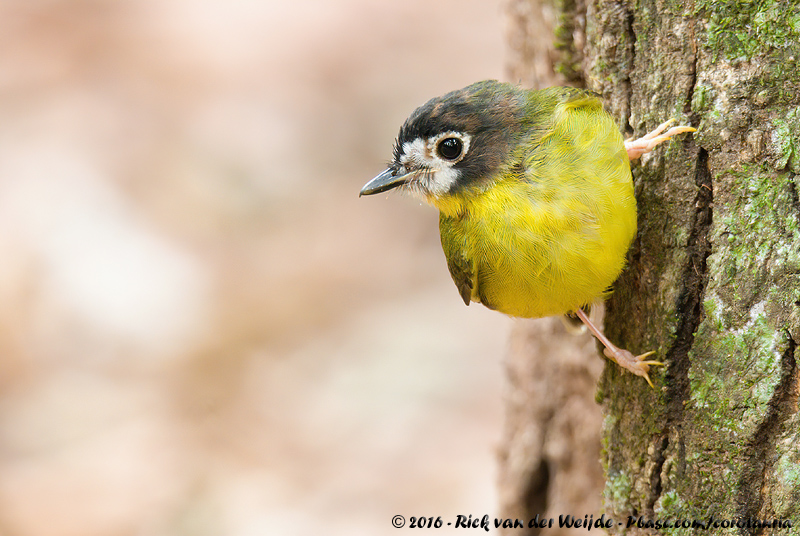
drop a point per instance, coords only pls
(455, 142)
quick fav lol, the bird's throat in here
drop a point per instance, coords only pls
(451, 205)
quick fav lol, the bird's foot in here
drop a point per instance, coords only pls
(647, 143)
(625, 359)
(635, 364)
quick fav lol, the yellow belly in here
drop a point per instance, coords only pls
(533, 261)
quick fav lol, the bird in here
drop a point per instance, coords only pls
(535, 197)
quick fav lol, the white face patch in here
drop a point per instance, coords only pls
(422, 154)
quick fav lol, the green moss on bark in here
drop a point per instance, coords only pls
(743, 30)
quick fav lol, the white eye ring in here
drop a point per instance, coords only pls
(433, 146)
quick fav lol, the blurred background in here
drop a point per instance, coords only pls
(203, 329)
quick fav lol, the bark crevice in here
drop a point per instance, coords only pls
(694, 117)
(793, 193)
(690, 314)
(690, 299)
(631, 53)
(655, 476)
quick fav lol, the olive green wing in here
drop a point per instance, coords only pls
(572, 97)
(462, 269)
(551, 106)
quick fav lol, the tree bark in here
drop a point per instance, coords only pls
(713, 276)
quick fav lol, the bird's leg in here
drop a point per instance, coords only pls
(623, 358)
(646, 143)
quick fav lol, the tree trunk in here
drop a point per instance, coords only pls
(713, 276)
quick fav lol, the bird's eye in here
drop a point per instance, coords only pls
(450, 148)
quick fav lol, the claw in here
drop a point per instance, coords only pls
(646, 377)
(658, 130)
(649, 141)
